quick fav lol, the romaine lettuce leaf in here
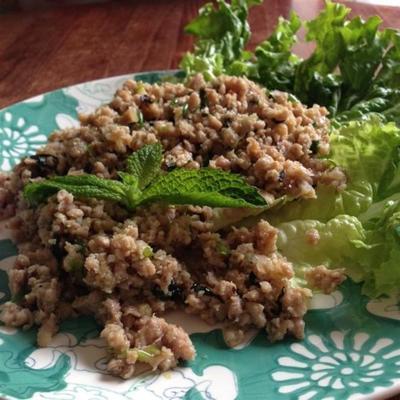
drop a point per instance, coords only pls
(341, 243)
(382, 259)
(368, 151)
(370, 252)
(366, 241)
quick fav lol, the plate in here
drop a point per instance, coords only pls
(351, 348)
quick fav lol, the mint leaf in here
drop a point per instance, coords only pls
(145, 164)
(87, 186)
(205, 187)
(129, 179)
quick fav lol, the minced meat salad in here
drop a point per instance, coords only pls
(127, 267)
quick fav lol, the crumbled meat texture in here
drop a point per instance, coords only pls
(46, 330)
(14, 315)
(91, 257)
(324, 279)
(312, 237)
(240, 128)
(7, 204)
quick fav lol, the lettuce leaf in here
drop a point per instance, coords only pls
(368, 151)
(369, 255)
(359, 228)
(370, 251)
(381, 260)
(328, 204)
(222, 32)
(275, 64)
(341, 243)
(314, 82)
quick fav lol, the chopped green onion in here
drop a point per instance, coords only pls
(293, 99)
(185, 110)
(147, 252)
(140, 118)
(140, 88)
(146, 354)
(174, 103)
(223, 249)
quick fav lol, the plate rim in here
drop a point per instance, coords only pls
(92, 81)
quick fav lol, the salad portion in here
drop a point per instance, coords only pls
(353, 72)
(232, 194)
(130, 216)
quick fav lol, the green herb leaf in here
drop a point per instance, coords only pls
(205, 186)
(129, 179)
(87, 186)
(140, 118)
(223, 32)
(314, 148)
(353, 71)
(142, 184)
(222, 248)
(276, 64)
(83, 186)
(144, 164)
(38, 192)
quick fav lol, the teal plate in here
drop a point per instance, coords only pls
(351, 348)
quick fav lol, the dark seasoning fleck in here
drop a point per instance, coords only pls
(45, 164)
(204, 290)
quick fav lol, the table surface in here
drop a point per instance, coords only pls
(43, 50)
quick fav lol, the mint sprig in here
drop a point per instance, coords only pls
(144, 182)
(78, 185)
(205, 186)
(145, 164)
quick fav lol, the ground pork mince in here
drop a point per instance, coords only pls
(93, 257)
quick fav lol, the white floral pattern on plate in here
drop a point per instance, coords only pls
(322, 301)
(17, 139)
(321, 365)
(385, 307)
